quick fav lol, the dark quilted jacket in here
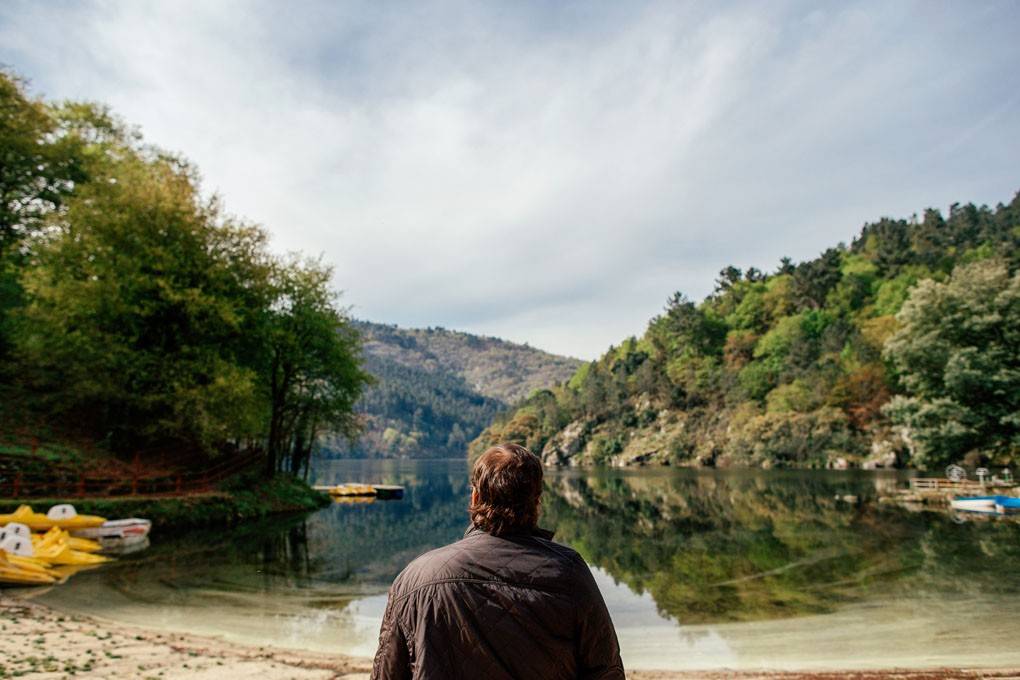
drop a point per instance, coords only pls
(517, 607)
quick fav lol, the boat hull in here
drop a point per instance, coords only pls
(383, 492)
(988, 505)
(118, 532)
(1008, 506)
(982, 504)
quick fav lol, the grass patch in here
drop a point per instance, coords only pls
(245, 498)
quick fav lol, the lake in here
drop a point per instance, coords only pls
(701, 569)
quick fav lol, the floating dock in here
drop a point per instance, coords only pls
(934, 491)
(383, 492)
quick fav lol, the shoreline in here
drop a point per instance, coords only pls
(230, 504)
(42, 643)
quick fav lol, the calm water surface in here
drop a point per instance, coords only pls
(700, 569)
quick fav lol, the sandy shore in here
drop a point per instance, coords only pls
(39, 643)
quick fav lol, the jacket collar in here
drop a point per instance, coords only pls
(536, 532)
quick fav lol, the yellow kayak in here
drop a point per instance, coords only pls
(40, 522)
(61, 553)
(29, 564)
(48, 550)
(16, 574)
(85, 545)
(57, 535)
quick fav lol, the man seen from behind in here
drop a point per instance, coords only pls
(503, 603)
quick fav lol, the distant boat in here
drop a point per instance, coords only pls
(989, 505)
(348, 490)
(383, 492)
(387, 492)
(1007, 506)
(984, 504)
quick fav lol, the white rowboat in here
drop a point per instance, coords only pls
(985, 504)
(118, 532)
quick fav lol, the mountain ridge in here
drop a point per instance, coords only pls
(437, 388)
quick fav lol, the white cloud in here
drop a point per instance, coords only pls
(550, 173)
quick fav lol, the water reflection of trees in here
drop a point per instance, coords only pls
(320, 561)
(737, 547)
(286, 551)
(707, 546)
(347, 548)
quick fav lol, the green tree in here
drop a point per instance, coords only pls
(813, 279)
(957, 356)
(39, 162)
(138, 302)
(313, 371)
(685, 328)
(39, 166)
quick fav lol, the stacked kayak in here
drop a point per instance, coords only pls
(33, 560)
(988, 505)
(66, 543)
(57, 547)
(24, 574)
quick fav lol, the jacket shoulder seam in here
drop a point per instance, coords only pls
(484, 581)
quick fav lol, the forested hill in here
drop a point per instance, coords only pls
(436, 388)
(902, 348)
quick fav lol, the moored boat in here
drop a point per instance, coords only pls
(380, 491)
(63, 516)
(348, 490)
(117, 532)
(985, 504)
(389, 491)
(989, 505)
(28, 558)
(56, 535)
(22, 575)
(1006, 505)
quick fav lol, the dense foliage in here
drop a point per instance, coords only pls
(958, 357)
(136, 310)
(798, 367)
(437, 389)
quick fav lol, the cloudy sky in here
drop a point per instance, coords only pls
(550, 172)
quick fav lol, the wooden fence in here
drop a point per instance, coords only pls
(939, 485)
(65, 481)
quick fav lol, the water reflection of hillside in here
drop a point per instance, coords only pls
(707, 547)
(748, 546)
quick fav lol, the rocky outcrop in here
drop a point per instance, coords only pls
(564, 446)
(888, 450)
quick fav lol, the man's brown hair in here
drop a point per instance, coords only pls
(508, 481)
